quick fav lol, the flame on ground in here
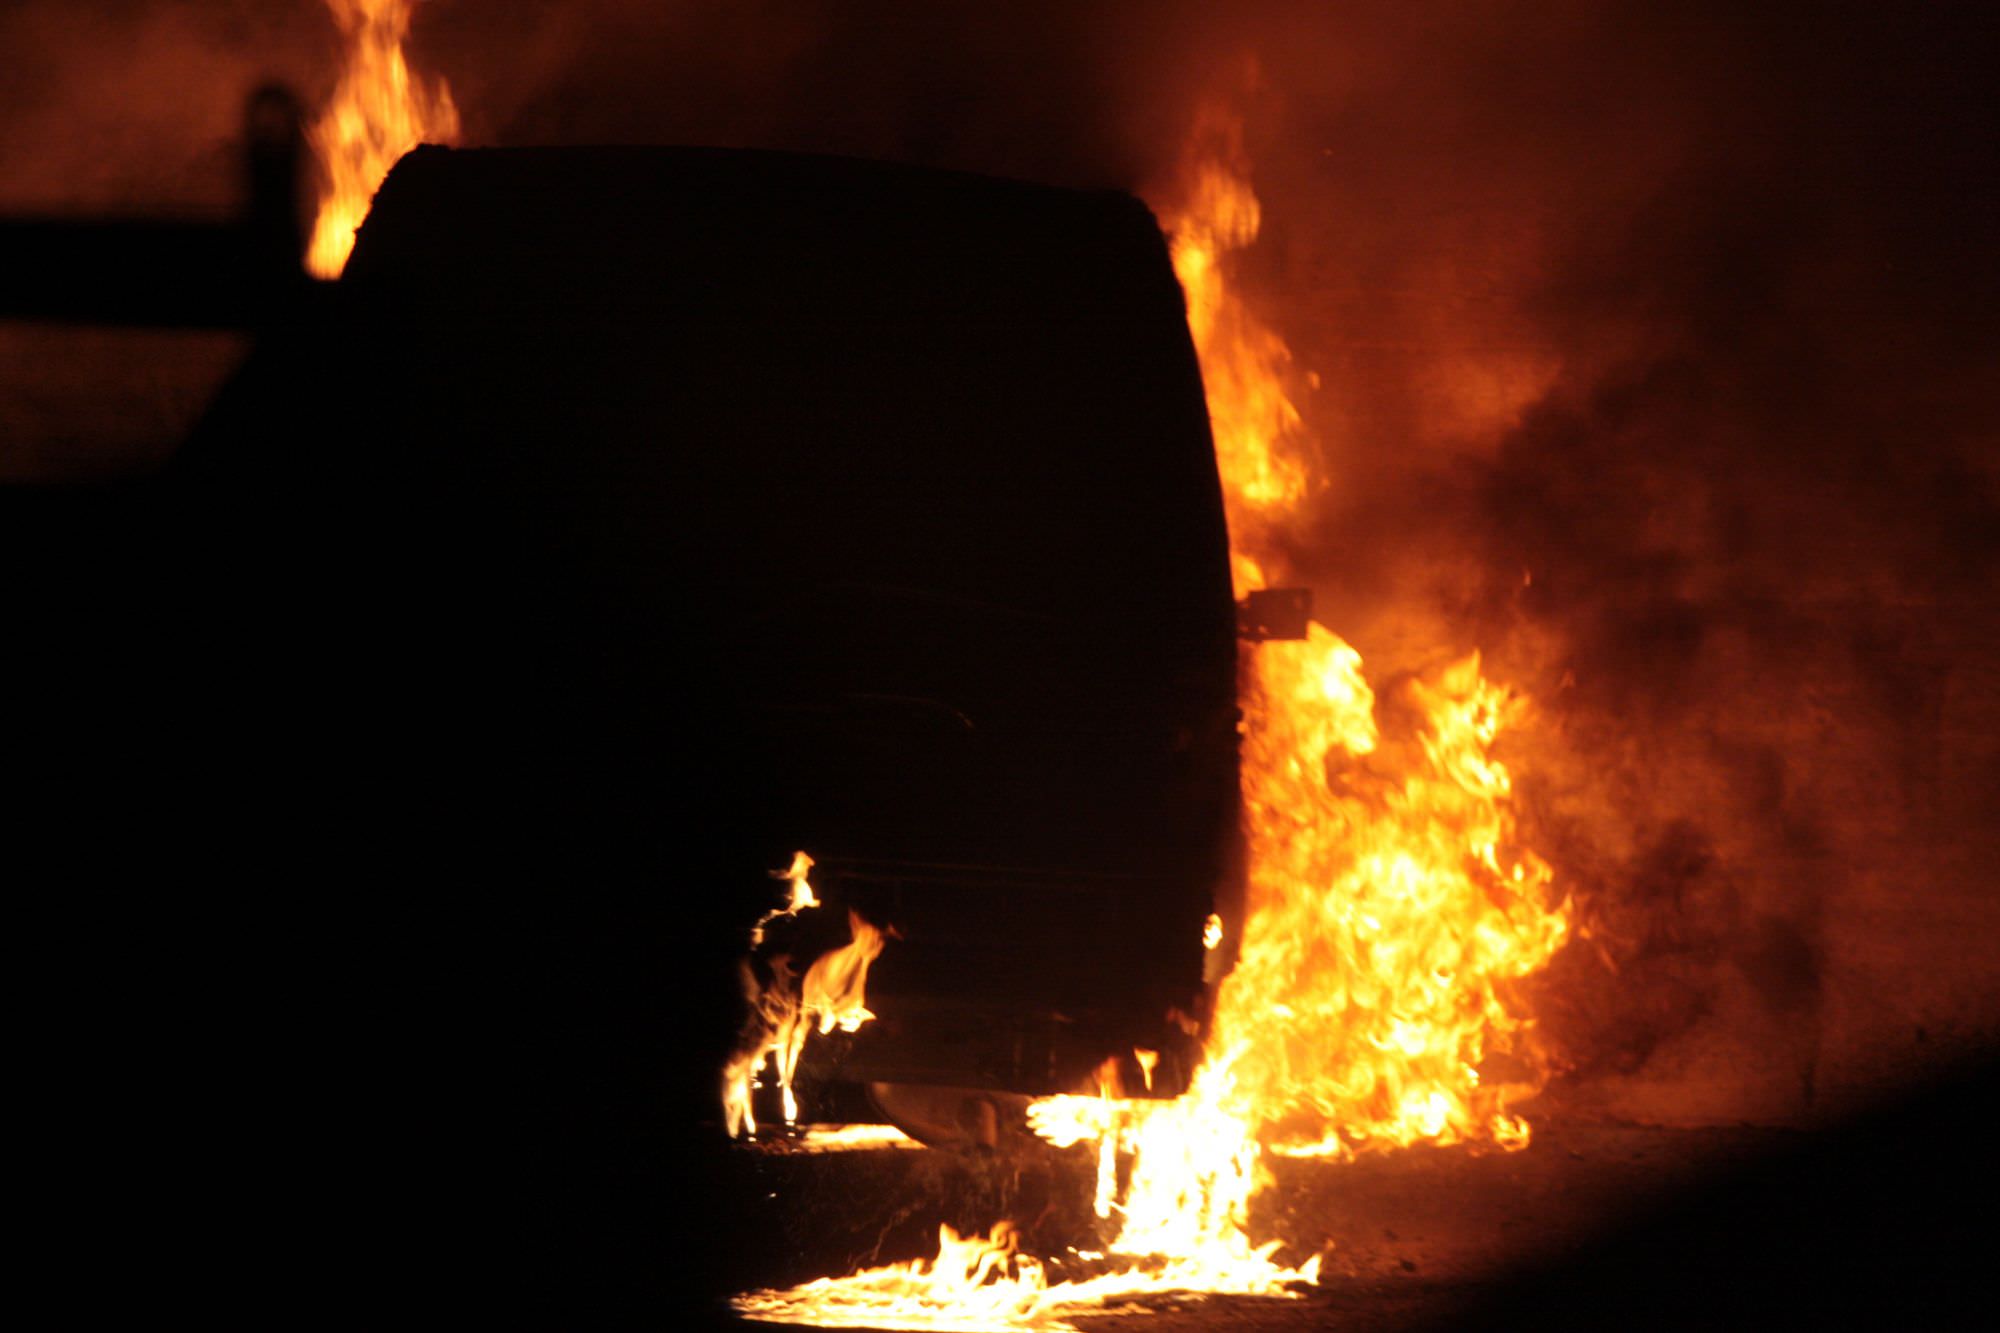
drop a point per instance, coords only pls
(379, 112)
(1390, 910)
(983, 1284)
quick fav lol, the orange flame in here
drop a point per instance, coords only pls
(1389, 913)
(379, 112)
(1260, 440)
(802, 895)
(833, 993)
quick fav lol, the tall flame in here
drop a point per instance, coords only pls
(379, 112)
(1390, 909)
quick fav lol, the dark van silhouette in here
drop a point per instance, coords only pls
(636, 517)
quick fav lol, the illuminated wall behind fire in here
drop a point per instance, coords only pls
(1650, 351)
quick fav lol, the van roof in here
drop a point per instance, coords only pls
(750, 229)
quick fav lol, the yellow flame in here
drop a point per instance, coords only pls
(379, 111)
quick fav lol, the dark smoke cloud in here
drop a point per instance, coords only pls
(1656, 356)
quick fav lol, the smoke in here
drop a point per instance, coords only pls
(1655, 356)
(1718, 489)
(137, 106)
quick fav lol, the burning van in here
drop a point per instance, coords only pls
(723, 504)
